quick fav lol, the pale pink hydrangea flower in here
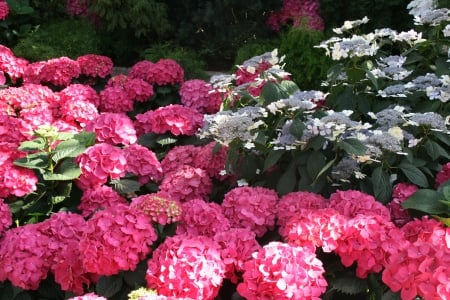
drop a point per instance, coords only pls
(443, 175)
(237, 246)
(165, 71)
(173, 118)
(77, 91)
(5, 216)
(253, 208)
(4, 10)
(200, 95)
(89, 296)
(353, 202)
(143, 163)
(139, 89)
(115, 99)
(116, 239)
(99, 198)
(95, 65)
(158, 207)
(186, 183)
(113, 128)
(400, 193)
(100, 163)
(186, 266)
(202, 218)
(282, 271)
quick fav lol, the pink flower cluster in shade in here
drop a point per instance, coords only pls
(5, 216)
(159, 208)
(201, 96)
(163, 72)
(4, 10)
(94, 65)
(400, 193)
(99, 198)
(297, 13)
(143, 163)
(443, 175)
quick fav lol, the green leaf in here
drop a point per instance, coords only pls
(390, 295)
(445, 221)
(443, 137)
(37, 161)
(325, 168)
(315, 163)
(426, 200)
(381, 185)
(108, 286)
(65, 149)
(352, 146)
(166, 141)
(435, 151)
(57, 199)
(414, 174)
(350, 285)
(372, 79)
(126, 186)
(85, 138)
(287, 181)
(248, 167)
(444, 188)
(272, 158)
(148, 140)
(33, 145)
(289, 87)
(67, 170)
(297, 127)
(271, 92)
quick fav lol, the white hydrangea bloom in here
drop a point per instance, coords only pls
(350, 25)
(419, 7)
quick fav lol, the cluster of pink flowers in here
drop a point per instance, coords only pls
(200, 95)
(163, 72)
(13, 66)
(5, 216)
(143, 163)
(15, 180)
(297, 13)
(99, 198)
(159, 208)
(4, 10)
(400, 193)
(112, 128)
(57, 71)
(443, 175)
(94, 65)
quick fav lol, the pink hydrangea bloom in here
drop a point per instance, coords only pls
(139, 89)
(99, 163)
(12, 131)
(292, 203)
(143, 162)
(116, 239)
(95, 65)
(317, 228)
(89, 296)
(253, 208)
(16, 180)
(282, 271)
(99, 198)
(200, 95)
(79, 112)
(141, 69)
(186, 266)
(59, 71)
(5, 216)
(179, 155)
(24, 256)
(186, 183)
(212, 159)
(113, 128)
(443, 175)
(425, 229)
(158, 207)
(12, 65)
(34, 117)
(202, 218)
(118, 80)
(31, 73)
(400, 193)
(298, 13)
(77, 91)
(115, 99)
(165, 71)
(352, 202)
(4, 10)
(173, 118)
(237, 246)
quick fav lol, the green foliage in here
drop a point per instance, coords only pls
(307, 65)
(52, 40)
(20, 21)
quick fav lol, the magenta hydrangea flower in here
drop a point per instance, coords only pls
(443, 175)
(211, 158)
(173, 118)
(159, 208)
(76, 7)
(179, 155)
(59, 71)
(12, 132)
(202, 218)
(5, 216)
(79, 112)
(141, 69)
(139, 89)
(77, 91)
(186, 266)
(253, 208)
(115, 99)
(15, 180)
(352, 202)
(400, 193)
(4, 10)
(99, 198)
(116, 239)
(186, 183)
(95, 65)
(89, 296)
(282, 271)
(165, 71)
(200, 95)
(298, 13)
(100, 163)
(113, 128)
(143, 162)
(237, 246)
(12, 65)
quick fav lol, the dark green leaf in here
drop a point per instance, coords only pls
(390, 295)
(126, 186)
(426, 200)
(37, 161)
(289, 86)
(350, 285)
(148, 140)
(381, 185)
(23, 296)
(297, 127)
(272, 158)
(270, 92)
(372, 79)
(414, 174)
(352, 146)
(108, 286)
(444, 188)
(248, 167)
(287, 181)
(443, 137)
(65, 149)
(315, 163)
(85, 138)
(136, 278)
(67, 170)
(435, 151)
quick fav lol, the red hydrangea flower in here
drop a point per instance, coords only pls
(99, 163)
(77, 91)
(186, 266)
(5, 216)
(282, 271)
(253, 208)
(186, 183)
(89, 296)
(59, 71)
(202, 218)
(317, 228)
(139, 89)
(4, 10)
(200, 95)
(116, 239)
(99, 198)
(165, 71)
(113, 128)
(443, 175)
(352, 202)
(158, 207)
(173, 118)
(400, 193)
(237, 246)
(115, 99)
(24, 257)
(143, 162)
(95, 65)
(293, 203)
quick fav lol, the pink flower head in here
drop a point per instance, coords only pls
(202, 218)
(200, 95)
(116, 239)
(118, 80)
(5, 216)
(211, 158)
(160, 209)
(143, 162)
(10, 64)
(4, 10)
(179, 155)
(426, 229)
(186, 183)
(352, 202)
(12, 131)
(24, 257)
(79, 112)
(98, 198)
(89, 296)
(400, 193)
(317, 228)
(113, 128)
(77, 7)
(186, 266)
(443, 175)
(165, 71)
(293, 203)
(139, 89)
(99, 163)
(59, 71)
(237, 246)
(253, 208)
(15, 180)
(282, 271)
(115, 99)
(95, 65)
(141, 69)
(77, 91)
(298, 13)
(173, 118)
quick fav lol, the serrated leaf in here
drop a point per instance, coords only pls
(272, 158)
(33, 145)
(85, 138)
(348, 285)
(414, 174)
(67, 170)
(126, 186)
(426, 200)
(108, 286)
(66, 149)
(352, 146)
(381, 185)
(38, 161)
